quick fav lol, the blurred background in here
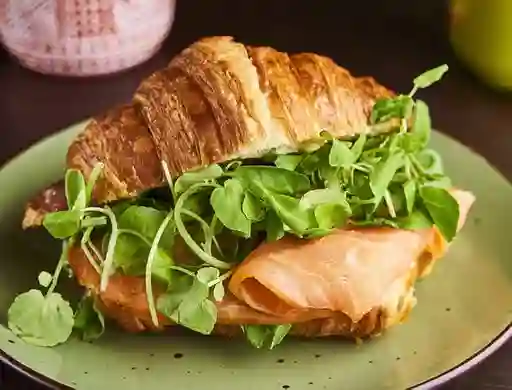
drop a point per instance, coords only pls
(392, 40)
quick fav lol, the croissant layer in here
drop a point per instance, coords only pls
(219, 100)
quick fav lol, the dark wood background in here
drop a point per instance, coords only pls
(393, 40)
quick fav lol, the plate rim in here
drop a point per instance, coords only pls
(431, 383)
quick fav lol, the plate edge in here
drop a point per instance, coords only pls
(28, 372)
(467, 364)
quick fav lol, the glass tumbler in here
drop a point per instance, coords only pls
(84, 37)
(481, 36)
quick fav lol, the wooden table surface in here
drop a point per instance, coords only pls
(393, 40)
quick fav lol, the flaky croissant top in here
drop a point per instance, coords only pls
(218, 100)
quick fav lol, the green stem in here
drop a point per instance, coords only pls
(62, 260)
(93, 177)
(96, 252)
(416, 166)
(413, 91)
(150, 244)
(183, 270)
(209, 259)
(168, 178)
(83, 244)
(389, 204)
(207, 230)
(220, 278)
(109, 258)
(136, 234)
(211, 238)
(149, 267)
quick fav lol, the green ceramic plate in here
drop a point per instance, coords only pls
(464, 310)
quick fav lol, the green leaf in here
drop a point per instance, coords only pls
(147, 221)
(330, 176)
(75, 188)
(62, 224)
(187, 179)
(197, 203)
(289, 211)
(418, 220)
(385, 109)
(422, 126)
(93, 221)
(440, 181)
(279, 333)
(218, 292)
(169, 302)
(196, 311)
(281, 181)
(410, 195)
(227, 204)
(131, 255)
(45, 278)
(358, 147)
(430, 162)
(331, 215)
(252, 208)
(331, 208)
(89, 321)
(419, 136)
(431, 76)
(443, 209)
(201, 318)
(119, 208)
(316, 197)
(207, 274)
(42, 321)
(266, 335)
(257, 335)
(288, 161)
(310, 163)
(274, 227)
(340, 154)
(381, 176)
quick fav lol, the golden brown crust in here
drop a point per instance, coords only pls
(47, 201)
(120, 140)
(219, 100)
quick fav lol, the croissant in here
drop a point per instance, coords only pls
(216, 101)
(219, 101)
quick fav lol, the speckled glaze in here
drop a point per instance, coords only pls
(465, 307)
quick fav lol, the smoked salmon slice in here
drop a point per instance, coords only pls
(350, 271)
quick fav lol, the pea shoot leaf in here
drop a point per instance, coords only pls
(63, 224)
(39, 320)
(227, 205)
(89, 321)
(268, 336)
(430, 77)
(443, 209)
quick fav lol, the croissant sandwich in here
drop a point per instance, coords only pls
(245, 191)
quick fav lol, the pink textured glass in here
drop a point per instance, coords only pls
(84, 37)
